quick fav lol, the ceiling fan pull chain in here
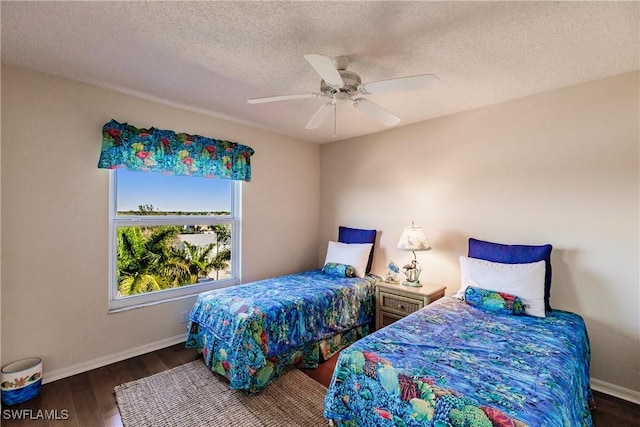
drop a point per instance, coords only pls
(335, 120)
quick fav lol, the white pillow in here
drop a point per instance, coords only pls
(354, 254)
(522, 280)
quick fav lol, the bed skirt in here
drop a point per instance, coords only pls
(307, 356)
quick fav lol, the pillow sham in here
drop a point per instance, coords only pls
(496, 302)
(524, 280)
(353, 254)
(515, 254)
(340, 270)
(357, 235)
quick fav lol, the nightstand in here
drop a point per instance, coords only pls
(395, 301)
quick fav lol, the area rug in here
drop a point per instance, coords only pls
(192, 395)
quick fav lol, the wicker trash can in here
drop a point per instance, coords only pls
(21, 380)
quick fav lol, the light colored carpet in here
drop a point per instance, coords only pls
(191, 395)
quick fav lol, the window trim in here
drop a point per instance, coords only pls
(167, 295)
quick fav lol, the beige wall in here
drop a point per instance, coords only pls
(1, 364)
(559, 168)
(55, 218)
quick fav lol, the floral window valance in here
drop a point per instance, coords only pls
(165, 151)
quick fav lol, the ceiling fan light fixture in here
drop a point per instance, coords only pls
(341, 97)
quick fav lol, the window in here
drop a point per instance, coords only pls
(171, 237)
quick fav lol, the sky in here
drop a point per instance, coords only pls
(171, 193)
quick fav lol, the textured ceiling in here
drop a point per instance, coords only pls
(213, 56)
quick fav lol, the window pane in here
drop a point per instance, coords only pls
(155, 258)
(161, 251)
(150, 193)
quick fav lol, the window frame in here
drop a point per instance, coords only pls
(117, 304)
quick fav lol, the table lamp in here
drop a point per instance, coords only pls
(413, 239)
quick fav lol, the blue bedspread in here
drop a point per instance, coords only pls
(248, 332)
(452, 364)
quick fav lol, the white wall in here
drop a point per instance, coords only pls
(55, 219)
(559, 168)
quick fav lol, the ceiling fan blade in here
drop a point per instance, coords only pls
(324, 66)
(377, 112)
(282, 98)
(320, 116)
(422, 81)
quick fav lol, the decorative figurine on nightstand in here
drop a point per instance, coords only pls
(413, 239)
(392, 273)
(412, 271)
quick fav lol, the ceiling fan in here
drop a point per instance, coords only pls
(343, 86)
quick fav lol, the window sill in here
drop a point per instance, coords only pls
(169, 295)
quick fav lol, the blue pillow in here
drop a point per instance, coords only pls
(515, 254)
(356, 235)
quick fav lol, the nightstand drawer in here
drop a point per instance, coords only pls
(399, 304)
(394, 301)
(387, 318)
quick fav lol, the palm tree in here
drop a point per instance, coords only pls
(221, 261)
(197, 259)
(223, 255)
(146, 261)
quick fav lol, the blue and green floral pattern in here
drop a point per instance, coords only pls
(165, 151)
(452, 364)
(497, 302)
(253, 332)
(336, 269)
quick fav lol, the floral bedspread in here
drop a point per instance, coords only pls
(452, 364)
(251, 333)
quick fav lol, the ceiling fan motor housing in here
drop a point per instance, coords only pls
(351, 83)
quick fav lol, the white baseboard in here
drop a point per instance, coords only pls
(616, 391)
(57, 374)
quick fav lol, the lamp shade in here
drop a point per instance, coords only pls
(413, 239)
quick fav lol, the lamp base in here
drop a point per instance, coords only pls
(415, 284)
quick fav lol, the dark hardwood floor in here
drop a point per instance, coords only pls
(89, 397)
(89, 401)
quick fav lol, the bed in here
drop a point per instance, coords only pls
(252, 333)
(462, 362)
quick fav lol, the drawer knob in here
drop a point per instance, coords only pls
(401, 306)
